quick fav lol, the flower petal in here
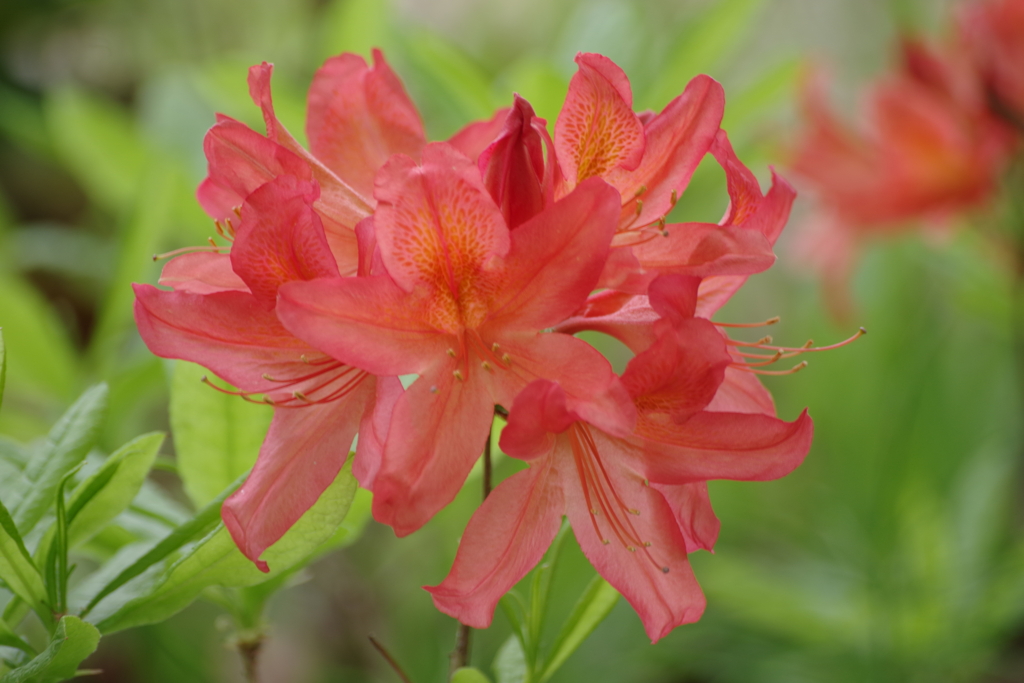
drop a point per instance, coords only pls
(280, 238)
(201, 273)
(358, 116)
(597, 130)
(537, 415)
(504, 539)
(677, 139)
(367, 322)
(373, 430)
(691, 506)
(438, 430)
(742, 392)
(556, 259)
(475, 137)
(512, 166)
(656, 579)
(301, 456)
(436, 224)
(739, 446)
(230, 333)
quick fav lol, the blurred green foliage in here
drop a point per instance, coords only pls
(893, 554)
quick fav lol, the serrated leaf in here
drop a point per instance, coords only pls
(217, 436)
(216, 561)
(72, 642)
(510, 662)
(66, 446)
(593, 606)
(17, 569)
(469, 675)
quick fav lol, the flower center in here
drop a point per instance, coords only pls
(473, 348)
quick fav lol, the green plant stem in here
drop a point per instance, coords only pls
(390, 660)
(460, 655)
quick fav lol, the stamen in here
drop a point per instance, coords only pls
(766, 323)
(640, 190)
(458, 375)
(792, 371)
(188, 250)
(486, 366)
(451, 352)
(639, 206)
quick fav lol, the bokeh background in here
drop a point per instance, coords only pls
(894, 553)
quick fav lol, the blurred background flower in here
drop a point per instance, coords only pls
(893, 554)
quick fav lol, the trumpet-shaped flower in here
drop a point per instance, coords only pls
(932, 148)
(637, 500)
(357, 117)
(221, 314)
(649, 158)
(462, 302)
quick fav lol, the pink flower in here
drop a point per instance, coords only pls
(931, 149)
(636, 498)
(357, 117)
(221, 314)
(461, 301)
(994, 33)
(649, 158)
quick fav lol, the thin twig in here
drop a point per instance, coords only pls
(389, 659)
(460, 655)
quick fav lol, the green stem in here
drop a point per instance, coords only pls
(460, 655)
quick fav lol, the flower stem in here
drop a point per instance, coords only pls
(390, 660)
(460, 655)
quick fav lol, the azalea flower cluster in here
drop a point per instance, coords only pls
(941, 130)
(471, 263)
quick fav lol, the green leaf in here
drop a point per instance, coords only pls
(354, 26)
(97, 141)
(17, 569)
(217, 436)
(3, 366)
(44, 360)
(200, 525)
(774, 86)
(66, 446)
(706, 43)
(107, 492)
(591, 609)
(469, 675)
(101, 497)
(147, 213)
(216, 561)
(8, 638)
(72, 642)
(510, 662)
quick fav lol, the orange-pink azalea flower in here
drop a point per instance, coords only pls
(993, 31)
(461, 301)
(931, 148)
(637, 501)
(221, 313)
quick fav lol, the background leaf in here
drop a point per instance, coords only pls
(72, 642)
(65, 447)
(591, 609)
(217, 436)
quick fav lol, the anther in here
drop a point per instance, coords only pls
(646, 482)
(639, 206)
(595, 511)
(458, 375)
(268, 377)
(212, 243)
(647, 544)
(299, 395)
(495, 347)
(605, 541)
(767, 339)
(433, 388)
(675, 198)
(634, 512)
(664, 570)
(238, 211)
(451, 352)
(640, 190)
(269, 401)
(630, 548)
(304, 359)
(486, 366)
(506, 359)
